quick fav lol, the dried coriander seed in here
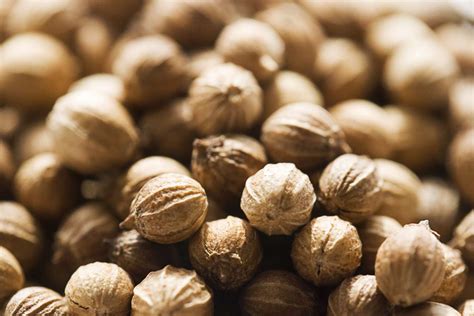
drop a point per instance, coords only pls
(427, 308)
(36, 300)
(278, 292)
(12, 278)
(304, 134)
(357, 296)
(410, 265)
(226, 252)
(351, 187)
(373, 233)
(20, 234)
(172, 291)
(223, 163)
(460, 162)
(457, 38)
(99, 289)
(92, 132)
(32, 140)
(46, 187)
(169, 208)
(252, 45)
(278, 199)
(103, 83)
(463, 238)
(7, 168)
(400, 192)
(326, 250)
(467, 308)
(461, 109)
(225, 98)
(201, 60)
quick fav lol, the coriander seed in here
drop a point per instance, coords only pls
(11, 120)
(458, 38)
(99, 289)
(463, 238)
(32, 140)
(326, 250)
(226, 252)
(278, 199)
(461, 110)
(36, 300)
(427, 308)
(103, 83)
(304, 134)
(168, 209)
(172, 291)
(410, 265)
(467, 308)
(12, 278)
(201, 60)
(460, 162)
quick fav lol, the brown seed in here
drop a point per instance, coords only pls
(12, 278)
(253, 45)
(33, 139)
(99, 289)
(457, 38)
(201, 60)
(373, 233)
(226, 252)
(10, 119)
(7, 168)
(400, 192)
(21, 234)
(278, 199)
(278, 292)
(428, 308)
(351, 187)
(80, 238)
(172, 291)
(357, 296)
(169, 208)
(461, 105)
(365, 125)
(326, 250)
(463, 238)
(92, 132)
(467, 308)
(225, 98)
(410, 265)
(103, 83)
(223, 163)
(46, 187)
(460, 162)
(304, 134)
(36, 300)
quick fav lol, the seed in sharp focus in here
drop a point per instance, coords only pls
(36, 300)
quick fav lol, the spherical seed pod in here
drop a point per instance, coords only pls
(46, 187)
(438, 202)
(467, 308)
(80, 238)
(137, 175)
(420, 74)
(10, 120)
(32, 140)
(92, 132)
(12, 278)
(58, 18)
(214, 211)
(7, 168)
(101, 83)
(351, 187)
(36, 300)
(226, 252)
(463, 238)
(428, 308)
(138, 256)
(201, 60)
(343, 71)
(387, 34)
(289, 87)
(278, 199)
(40, 63)
(373, 233)
(152, 69)
(253, 45)
(410, 265)
(460, 162)
(20, 234)
(419, 141)
(455, 277)
(357, 296)
(99, 289)
(457, 38)
(169, 130)
(225, 98)
(169, 208)
(223, 163)
(172, 291)
(400, 191)
(461, 106)
(278, 292)
(326, 250)
(365, 125)
(301, 34)
(304, 134)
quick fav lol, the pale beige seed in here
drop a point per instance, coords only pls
(36, 300)
(107, 84)
(467, 308)
(427, 308)
(458, 38)
(463, 238)
(455, 277)
(460, 162)
(201, 60)
(11, 274)
(461, 104)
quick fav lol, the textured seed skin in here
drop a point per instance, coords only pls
(278, 199)
(11, 274)
(326, 250)
(455, 277)
(172, 291)
(169, 208)
(467, 308)
(410, 265)
(428, 308)
(463, 239)
(37, 300)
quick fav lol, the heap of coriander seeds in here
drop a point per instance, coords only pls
(236, 157)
